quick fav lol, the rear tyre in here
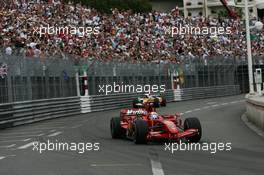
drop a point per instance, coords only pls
(116, 130)
(193, 123)
(135, 101)
(141, 132)
(164, 102)
(156, 103)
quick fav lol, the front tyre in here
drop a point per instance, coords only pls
(193, 123)
(116, 130)
(140, 131)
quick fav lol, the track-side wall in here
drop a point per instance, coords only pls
(95, 103)
(255, 110)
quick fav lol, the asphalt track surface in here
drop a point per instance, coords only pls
(220, 119)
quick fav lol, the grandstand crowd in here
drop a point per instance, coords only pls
(123, 36)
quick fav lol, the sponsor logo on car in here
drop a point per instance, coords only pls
(135, 112)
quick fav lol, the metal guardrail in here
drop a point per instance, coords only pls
(205, 92)
(18, 113)
(106, 102)
(169, 95)
(96, 103)
(113, 101)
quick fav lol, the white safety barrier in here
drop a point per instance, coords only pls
(255, 110)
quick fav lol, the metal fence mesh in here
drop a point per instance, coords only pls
(32, 79)
(192, 73)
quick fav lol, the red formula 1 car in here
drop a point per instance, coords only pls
(143, 125)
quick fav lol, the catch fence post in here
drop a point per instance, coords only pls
(77, 83)
(85, 78)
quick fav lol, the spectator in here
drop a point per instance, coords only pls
(123, 36)
(8, 51)
(29, 52)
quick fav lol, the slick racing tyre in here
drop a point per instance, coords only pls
(116, 130)
(164, 102)
(193, 123)
(135, 102)
(140, 131)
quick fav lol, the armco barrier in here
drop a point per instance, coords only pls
(205, 92)
(255, 110)
(31, 111)
(12, 114)
(6, 112)
(169, 95)
(113, 101)
(116, 101)
(106, 102)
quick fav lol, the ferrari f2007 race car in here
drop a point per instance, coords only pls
(157, 99)
(143, 125)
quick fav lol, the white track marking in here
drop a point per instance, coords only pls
(23, 140)
(18, 133)
(52, 127)
(6, 156)
(39, 128)
(38, 135)
(27, 139)
(156, 168)
(197, 109)
(212, 106)
(188, 111)
(26, 145)
(53, 123)
(54, 134)
(76, 126)
(8, 146)
(115, 164)
(212, 102)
